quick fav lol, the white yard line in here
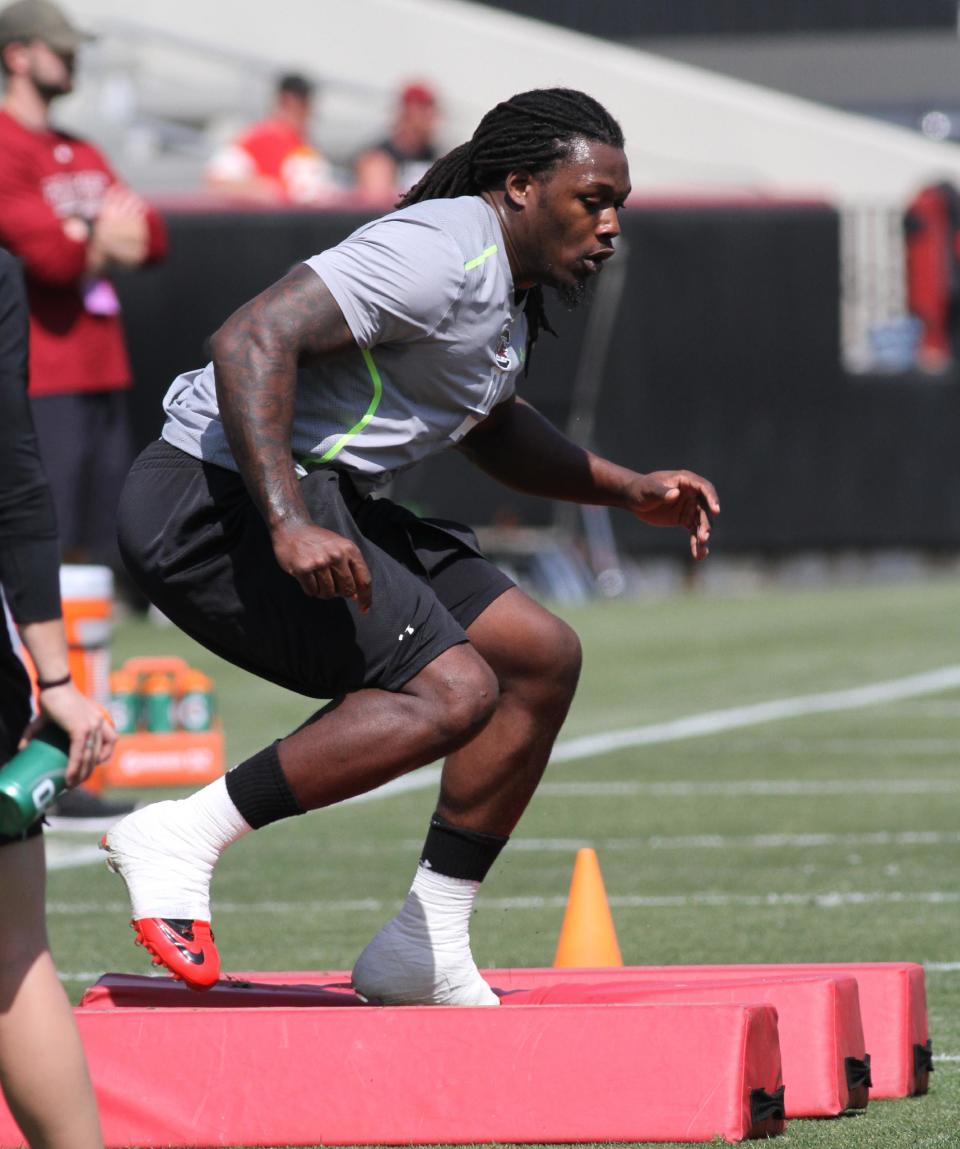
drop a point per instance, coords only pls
(67, 855)
(826, 900)
(758, 787)
(715, 722)
(841, 747)
(62, 855)
(693, 726)
(729, 841)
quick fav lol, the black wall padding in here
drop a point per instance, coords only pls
(725, 359)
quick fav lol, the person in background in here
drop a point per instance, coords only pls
(273, 161)
(42, 1067)
(71, 222)
(396, 163)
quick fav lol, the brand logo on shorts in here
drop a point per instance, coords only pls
(502, 354)
(401, 637)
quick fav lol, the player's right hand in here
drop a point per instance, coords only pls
(325, 564)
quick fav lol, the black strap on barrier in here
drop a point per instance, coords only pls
(858, 1072)
(766, 1106)
(923, 1059)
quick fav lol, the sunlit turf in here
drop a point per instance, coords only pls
(868, 872)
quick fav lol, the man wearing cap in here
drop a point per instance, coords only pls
(273, 161)
(71, 222)
(396, 163)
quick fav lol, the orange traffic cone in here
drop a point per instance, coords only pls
(587, 937)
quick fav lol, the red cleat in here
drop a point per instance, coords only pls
(185, 947)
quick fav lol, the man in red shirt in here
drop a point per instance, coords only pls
(273, 161)
(71, 221)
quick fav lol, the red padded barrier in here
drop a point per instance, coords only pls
(893, 1004)
(821, 1037)
(415, 1075)
(893, 1007)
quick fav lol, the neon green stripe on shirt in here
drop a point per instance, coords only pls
(332, 452)
(481, 258)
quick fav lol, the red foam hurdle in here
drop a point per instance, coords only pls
(218, 1075)
(893, 1004)
(893, 1007)
(821, 1037)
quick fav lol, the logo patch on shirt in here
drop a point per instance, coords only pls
(502, 354)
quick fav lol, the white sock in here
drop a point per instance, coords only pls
(440, 908)
(166, 852)
(422, 956)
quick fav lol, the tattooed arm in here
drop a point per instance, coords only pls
(255, 356)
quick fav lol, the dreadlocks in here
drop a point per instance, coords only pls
(533, 131)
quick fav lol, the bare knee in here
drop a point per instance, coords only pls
(536, 656)
(462, 693)
(567, 655)
(550, 670)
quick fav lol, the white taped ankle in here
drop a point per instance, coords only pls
(166, 852)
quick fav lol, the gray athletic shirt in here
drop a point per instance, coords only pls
(428, 294)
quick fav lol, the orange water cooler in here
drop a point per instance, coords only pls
(87, 596)
(174, 753)
(86, 592)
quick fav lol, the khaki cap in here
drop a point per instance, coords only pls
(40, 20)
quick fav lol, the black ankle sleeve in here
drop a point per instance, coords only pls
(259, 790)
(459, 853)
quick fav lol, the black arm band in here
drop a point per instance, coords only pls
(41, 685)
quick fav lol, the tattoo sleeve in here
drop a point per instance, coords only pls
(255, 356)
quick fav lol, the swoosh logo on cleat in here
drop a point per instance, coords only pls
(194, 957)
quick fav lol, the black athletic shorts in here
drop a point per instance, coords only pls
(15, 713)
(196, 545)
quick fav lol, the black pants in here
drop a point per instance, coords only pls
(15, 712)
(86, 449)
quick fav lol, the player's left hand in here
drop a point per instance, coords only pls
(92, 736)
(677, 499)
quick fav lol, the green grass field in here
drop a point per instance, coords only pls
(833, 836)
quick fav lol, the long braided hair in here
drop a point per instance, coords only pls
(533, 131)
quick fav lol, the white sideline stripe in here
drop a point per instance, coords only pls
(825, 900)
(768, 787)
(943, 966)
(730, 841)
(875, 747)
(713, 722)
(63, 857)
(694, 726)
(67, 857)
